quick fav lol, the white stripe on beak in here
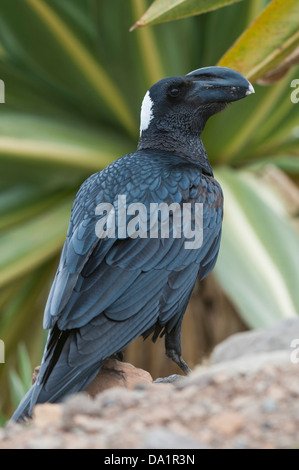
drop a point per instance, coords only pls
(250, 89)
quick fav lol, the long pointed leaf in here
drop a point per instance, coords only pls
(35, 200)
(149, 50)
(29, 245)
(168, 10)
(28, 137)
(88, 66)
(259, 257)
(249, 130)
(271, 38)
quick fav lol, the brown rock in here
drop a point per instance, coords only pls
(118, 374)
(113, 374)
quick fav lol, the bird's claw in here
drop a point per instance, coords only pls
(172, 354)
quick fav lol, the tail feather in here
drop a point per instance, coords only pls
(73, 358)
(38, 394)
(24, 409)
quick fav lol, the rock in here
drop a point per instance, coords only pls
(243, 366)
(44, 443)
(160, 438)
(278, 337)
(227, 423)
(118, 374)
(114, 374)
(269, 405)
(46, 415)
(169, 380)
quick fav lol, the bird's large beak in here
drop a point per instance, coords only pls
(219, 84)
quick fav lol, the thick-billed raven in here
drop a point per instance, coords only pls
(126, 268)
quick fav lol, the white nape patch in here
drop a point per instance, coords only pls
(146, 114)
(250, 89)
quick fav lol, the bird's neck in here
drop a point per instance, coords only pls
(184, 144)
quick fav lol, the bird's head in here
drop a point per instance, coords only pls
(181, 105)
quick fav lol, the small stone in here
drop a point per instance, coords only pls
(207, 436)
(292, 384)
(241, 443)
(261, 386)
(41, 442)
(162, 438)
(141, 386)
(240, 401)
(46, 415)
(268, 445)
(88, 423)
(80, 403)
(159, 416)
(276, 393)
(170, 379)
(227, 423)
(221, 377)
(269, 405)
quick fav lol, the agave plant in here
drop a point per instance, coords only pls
(74, 79)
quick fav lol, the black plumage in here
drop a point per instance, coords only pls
(109, 291)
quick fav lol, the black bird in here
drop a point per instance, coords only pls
(111, 287)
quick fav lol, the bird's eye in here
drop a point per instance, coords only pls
(174, 92)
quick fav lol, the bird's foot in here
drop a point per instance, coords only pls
(172, 354)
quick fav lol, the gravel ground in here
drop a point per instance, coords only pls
(247, 403)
